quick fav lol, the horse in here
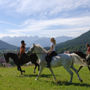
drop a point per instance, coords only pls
(84, 56)
(65, 60)
(19, 62)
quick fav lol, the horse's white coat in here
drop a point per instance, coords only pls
(65, 60)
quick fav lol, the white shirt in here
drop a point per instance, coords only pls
(52, 44)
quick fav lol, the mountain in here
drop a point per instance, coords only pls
(6, 46)
(43, 41)
(77, 44)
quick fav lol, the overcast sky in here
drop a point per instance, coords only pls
(44, 18)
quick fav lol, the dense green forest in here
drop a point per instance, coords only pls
(77, 44)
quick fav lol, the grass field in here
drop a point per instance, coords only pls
(10, 79)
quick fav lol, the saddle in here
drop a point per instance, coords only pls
(22, 56)
(49, 57)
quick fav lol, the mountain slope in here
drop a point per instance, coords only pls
(43, 41)
(6, 46)
(78, 43)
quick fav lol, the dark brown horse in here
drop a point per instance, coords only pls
(19, 62)
(82, 55)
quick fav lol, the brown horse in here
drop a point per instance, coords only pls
(82, 55)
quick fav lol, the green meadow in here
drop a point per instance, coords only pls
(10, 79)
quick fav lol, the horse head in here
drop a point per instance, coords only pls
(6, 57)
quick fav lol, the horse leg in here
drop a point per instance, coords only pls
(88, 68)
(70, 72)
(41, 69)
(19, 68)
(52, 73)
(77, 73)
(80, 68)
(36, 67)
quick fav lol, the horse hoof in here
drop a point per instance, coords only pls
(23, 71)
(81, 80)
(70, 82)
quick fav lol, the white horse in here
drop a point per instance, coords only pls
(65, 60)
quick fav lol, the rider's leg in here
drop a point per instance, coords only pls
(53, 53)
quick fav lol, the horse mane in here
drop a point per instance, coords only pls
(39, 46)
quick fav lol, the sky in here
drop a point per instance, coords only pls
(44, 18)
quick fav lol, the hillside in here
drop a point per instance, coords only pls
(78, 43)
(6, 46)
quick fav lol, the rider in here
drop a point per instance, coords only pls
(88, 48)
(51, 52)
(88, 52)
(22, 53)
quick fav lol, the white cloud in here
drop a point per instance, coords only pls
(75, 32)
(47, 7)
(71, 27)
(51, 6)
(35, 25)
(8, 23)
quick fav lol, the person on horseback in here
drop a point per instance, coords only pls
(22, 54)
(88, 48)
(22, 48)
(51, 52)
(88, 53)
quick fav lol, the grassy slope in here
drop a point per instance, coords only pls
(10, 79)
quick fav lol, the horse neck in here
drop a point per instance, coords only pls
(41, 53)
(11, 55)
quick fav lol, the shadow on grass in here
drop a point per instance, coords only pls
(56, 83)
(67, 84)
(27, 75)
(34, 75)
